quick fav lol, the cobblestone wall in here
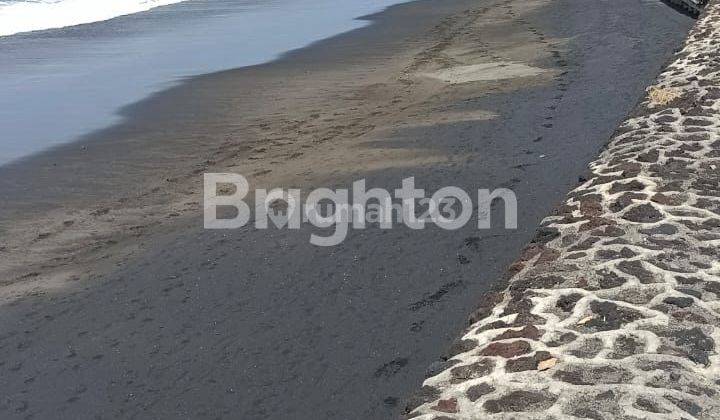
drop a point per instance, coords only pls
(613, 311)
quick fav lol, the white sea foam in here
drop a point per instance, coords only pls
(34, 15)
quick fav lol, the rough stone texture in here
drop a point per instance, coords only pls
(620, 289)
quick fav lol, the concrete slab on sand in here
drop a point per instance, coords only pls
(486, 72)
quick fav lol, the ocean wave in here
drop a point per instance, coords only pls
(35, 15)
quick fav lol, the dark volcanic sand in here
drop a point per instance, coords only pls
(260, 324)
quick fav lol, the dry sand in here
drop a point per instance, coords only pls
(116, 302)
(88, 204)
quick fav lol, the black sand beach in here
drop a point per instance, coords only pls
(117, 304)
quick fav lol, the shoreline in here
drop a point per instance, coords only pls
(100, 67)
(150, 162)
(259, 322)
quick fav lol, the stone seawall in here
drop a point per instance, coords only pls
(613, 311)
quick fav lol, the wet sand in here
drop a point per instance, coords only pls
(116, 302)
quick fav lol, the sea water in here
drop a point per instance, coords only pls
(68, 66)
